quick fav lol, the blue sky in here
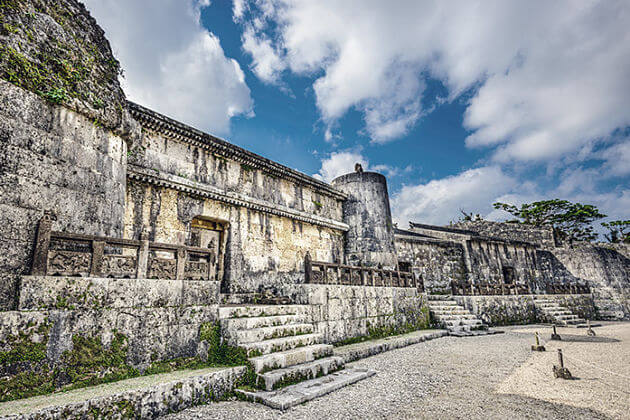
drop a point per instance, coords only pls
(459, 103)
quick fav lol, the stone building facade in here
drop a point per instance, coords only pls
(117, 221)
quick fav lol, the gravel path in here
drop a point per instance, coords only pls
(444, 378)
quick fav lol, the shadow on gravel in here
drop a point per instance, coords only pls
(586, 339)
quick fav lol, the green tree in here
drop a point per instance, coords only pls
(571, 221)
(618, 231)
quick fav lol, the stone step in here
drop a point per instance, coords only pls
(291, 357)
(453, 312)
(444, 307)
(263, 321)
(567, 316)
(293, 395)
(280, 378)
(463, 322)
(269, 333)
(442, 302)
(575, 321)
(450, 317)
(249, 311)
(282, 344)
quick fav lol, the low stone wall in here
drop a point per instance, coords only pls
(147, 403)
(343, 312)
(520, 309)
(124, 324)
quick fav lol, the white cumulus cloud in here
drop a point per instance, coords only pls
(547, 77)
(440, 201)
(171, 63)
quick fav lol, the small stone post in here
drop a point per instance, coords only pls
(560, 371)
(537, 346)
(555, 335)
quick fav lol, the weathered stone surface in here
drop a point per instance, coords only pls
(537, 235)
(58, 161)
(370, 240)
(305, 391)
(146, 402)
(43, 293)
(341, 312)
(520, 309)
(56, 50)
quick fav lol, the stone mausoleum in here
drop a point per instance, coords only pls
(117, 221)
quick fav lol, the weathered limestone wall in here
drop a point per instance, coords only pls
(370, 239)
(489, 261)
(542, 236)
(435, 262)
(342, 312)
(520, 309)
(158, 319)
(56, 160)
(263, 251)
(169, 147)
(607, 271)
(63, 118)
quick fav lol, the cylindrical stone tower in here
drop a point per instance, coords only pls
(370, 240)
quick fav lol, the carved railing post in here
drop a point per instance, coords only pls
(42, 243)
(143, 259)
(181, 263)
(308, 268)
(96, 267)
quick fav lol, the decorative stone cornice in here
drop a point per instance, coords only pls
(174, 129)
(155, 177)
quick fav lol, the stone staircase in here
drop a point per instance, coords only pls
(291, 363)
(455, 318)
(559, 314)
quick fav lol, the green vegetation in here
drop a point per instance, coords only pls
(571, 221)
(90, 363)
(58, 69)
(618, 231)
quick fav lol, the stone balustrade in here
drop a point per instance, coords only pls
(77, 255)
(319, 272)
(492, 289)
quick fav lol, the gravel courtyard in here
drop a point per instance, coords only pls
(494, 376)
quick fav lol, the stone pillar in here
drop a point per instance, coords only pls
(370, 240)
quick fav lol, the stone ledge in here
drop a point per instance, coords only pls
(365, 349)
(143, 397)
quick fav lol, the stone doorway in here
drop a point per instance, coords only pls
(211, 234)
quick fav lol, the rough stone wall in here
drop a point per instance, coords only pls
(56, 50)
(343, 312)
(263, 251)
(370, 240)
(517, 310)
(159, 319)
(605, 269)
(542, 236)
(435, 262)
(489, 258)
(57, 160)
(63, 119)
